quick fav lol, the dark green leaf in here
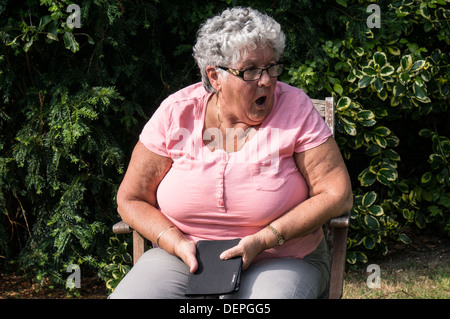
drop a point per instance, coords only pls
(361, 257)
(70, 42)
(365, 115)
(382, 179)
(381, 141)
(444, 90)
(369, 71)
(369, 198)
(351, 77)
(444, 200)
(351, 257)
(343, 104)
(387, 70)
(392, 140)
(378, 85)
(425, 75)
(365, 81)
(436, 55)
(359, 51)
(403, 187)
(389, 173)
(382, 131)
(394, 50)
(376, 210)
(127, 258)
(406, 62)
(373, 150)
(28, 45)
(368, 123)
(417, 65)
(425, 12)
(90, 40)
(420, 93)
(405, 78)
(427, 196)
(366, 177)
(399, 88)
(408, 214)
(425, 132)
(51, 36)
(391, 154)
(426, 178)
(350, 129)
(380, 112)
(404, 238)
(43, 22)
(371, 222)
(380, 59)
(383, 95)
(368, 242)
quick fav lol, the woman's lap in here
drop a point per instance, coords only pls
(158, 275)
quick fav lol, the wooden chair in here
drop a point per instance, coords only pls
(335, 230)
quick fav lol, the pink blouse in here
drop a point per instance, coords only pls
(219, 195)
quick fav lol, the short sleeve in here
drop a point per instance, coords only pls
(312, 129)
(154, 133)
(169, 130)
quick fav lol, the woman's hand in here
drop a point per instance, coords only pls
(248, 248)
(185, 249)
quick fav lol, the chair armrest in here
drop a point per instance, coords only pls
(339, 229)
(122, 228)
(341, 221)
(139, 242)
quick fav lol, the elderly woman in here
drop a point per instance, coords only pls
(239, 155)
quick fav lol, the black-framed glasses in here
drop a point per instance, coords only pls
(254, 74)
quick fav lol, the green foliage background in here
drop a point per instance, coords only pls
(73, 101)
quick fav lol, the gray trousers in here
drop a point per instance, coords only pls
(159, 275)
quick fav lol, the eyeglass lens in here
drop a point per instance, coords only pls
(255, 74)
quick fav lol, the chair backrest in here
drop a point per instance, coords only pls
(326, 110)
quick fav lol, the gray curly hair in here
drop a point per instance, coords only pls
(227, 37)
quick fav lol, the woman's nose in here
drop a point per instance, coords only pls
(264, 80)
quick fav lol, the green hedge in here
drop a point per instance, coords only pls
(391, 86)
(73, 102)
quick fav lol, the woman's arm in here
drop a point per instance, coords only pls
(330, 195)
(136, 201)
(330, 192)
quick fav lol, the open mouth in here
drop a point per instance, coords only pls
(261, 100)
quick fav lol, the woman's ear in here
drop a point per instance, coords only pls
(214, 77)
